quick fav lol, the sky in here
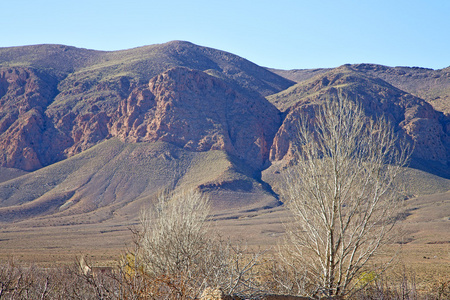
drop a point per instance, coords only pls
(282, 34)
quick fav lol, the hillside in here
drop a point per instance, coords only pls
(92, 136)
(411, 116)
(49, 92)
(114, 179)
(431, 85)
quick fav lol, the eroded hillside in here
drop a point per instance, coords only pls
(88, 135)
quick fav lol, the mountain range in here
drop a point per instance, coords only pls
(88, 136)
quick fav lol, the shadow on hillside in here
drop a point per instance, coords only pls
(432, 167)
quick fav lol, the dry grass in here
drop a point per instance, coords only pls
(424, 258)
(426, 234)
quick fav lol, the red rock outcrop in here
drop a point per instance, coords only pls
(409, 114)
(87, 130)
(188, 108)
(198, 112)
(24, 95)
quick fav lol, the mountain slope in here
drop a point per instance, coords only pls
(428, 84)
(56, 101)
(410, 115)
(114, 179)
(57, 59)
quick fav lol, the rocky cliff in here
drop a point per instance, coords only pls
(65, 100)
(24, 96)
(193, 116)
(198, 112)
(427, 128)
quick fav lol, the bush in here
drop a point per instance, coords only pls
(177, 254)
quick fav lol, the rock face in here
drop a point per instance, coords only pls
(198, 112)
(187, 108)
(410, 115)
(24, 96)
(67, 100)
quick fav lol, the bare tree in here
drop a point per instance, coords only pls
(175, 231)
(341, 192)
(173, 244)
(178, 255)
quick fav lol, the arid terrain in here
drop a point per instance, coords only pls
(88, 138)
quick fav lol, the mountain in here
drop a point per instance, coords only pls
(411, 116)
(69, 115)
(88, 136)
(56, 101)
(115, 179)
(431, 85)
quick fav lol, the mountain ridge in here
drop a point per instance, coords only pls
(416, 118)
(429, 84)
(224, 124)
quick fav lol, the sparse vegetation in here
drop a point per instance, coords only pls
(177, 255)
(126, 281)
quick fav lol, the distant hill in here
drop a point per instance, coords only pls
(87, 135)
(431, 85)
(411, 116)
(300, 74)
(428, 84)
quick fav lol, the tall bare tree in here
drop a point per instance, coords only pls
(341, 191)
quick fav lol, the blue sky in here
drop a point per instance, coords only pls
(284, 34)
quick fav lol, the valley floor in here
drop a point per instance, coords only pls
(425, 251)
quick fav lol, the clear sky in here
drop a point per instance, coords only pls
(284, 34)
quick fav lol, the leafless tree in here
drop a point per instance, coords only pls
(341, 192)
(179, 253)
(174, 231)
